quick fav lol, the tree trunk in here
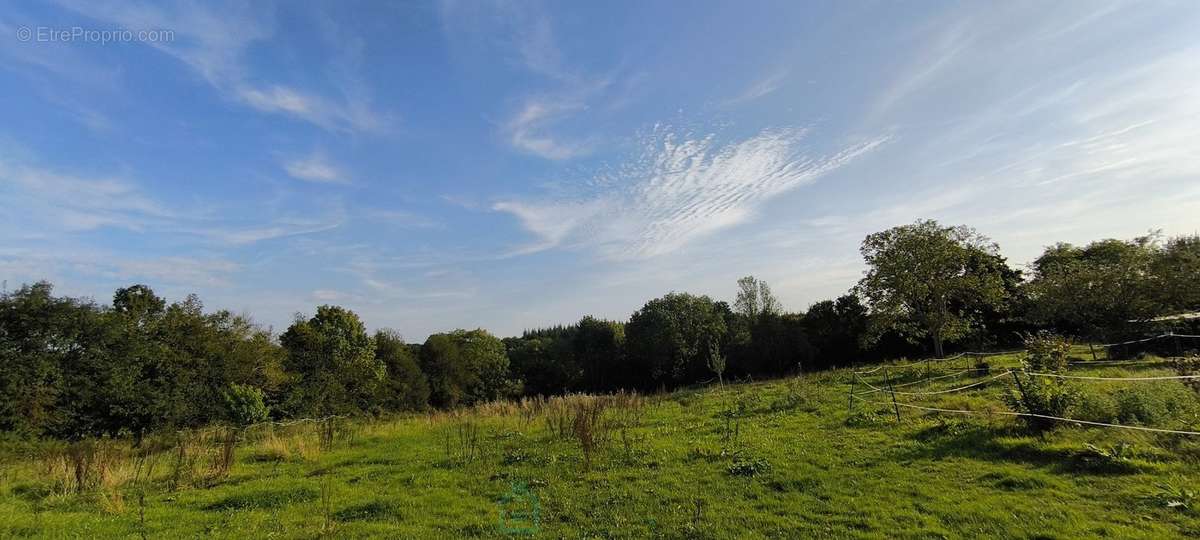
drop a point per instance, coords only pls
(937, 345)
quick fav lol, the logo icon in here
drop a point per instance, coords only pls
(520, 511)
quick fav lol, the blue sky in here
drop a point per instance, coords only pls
(511, 165)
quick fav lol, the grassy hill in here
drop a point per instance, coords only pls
(779, 459)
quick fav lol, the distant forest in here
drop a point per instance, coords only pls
(72, 368)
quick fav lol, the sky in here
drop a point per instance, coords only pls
(511, 165)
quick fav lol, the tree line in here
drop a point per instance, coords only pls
(72, 368)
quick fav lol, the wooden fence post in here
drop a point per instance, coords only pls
(850, 396)
(892, 390)
(1020, 387)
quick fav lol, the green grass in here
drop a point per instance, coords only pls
(777, 459)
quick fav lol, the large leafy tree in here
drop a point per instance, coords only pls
(405, 387)
(670, 338)
(598, 348)
(466, 367)
(922, 280)
(441, 361)
(1096, 290)
(834, 327)
(485, 358)
(1178, 271)
(45, 345)
(332, 362)
(754, 299)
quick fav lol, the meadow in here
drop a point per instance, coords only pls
(786, 458)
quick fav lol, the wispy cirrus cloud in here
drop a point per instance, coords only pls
(527, 130)
(77, 203)
(65, 202)
(213, 41)
(29, 265)
(678, 189)
(535, 126)
(760, 88)
(315, 167)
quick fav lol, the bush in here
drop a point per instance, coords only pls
(1048, 396)
(1140, 405)
(748, 467)
(1187, 367)
(244, 404)
(1096, 407)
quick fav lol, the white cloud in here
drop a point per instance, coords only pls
(315, 168)
(677, 190)
(56, 201)
(28, 265)
(78, 203)
(212, 40)
(527, 129)
(762, 87)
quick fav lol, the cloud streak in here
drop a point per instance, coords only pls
(315, 168)
(677, 190)
(213, 41)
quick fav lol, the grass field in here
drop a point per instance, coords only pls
(778, 459)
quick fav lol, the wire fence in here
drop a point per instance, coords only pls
(928, 363)
(1031, 415)
(890, 389)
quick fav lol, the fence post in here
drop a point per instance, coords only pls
(1092, 348)
(1178, 345)
(1020, 387)
(892, 390)
(850, 396)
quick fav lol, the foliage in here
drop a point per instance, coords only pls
(1104, 288)
(754, 299)
(466, 367)
(1011, 485)
(667, 340)
(834, 328)
(405, 387)
(923, 281)
(1047, 396)
(73, 369)
(333, 364)
(748, 467)
(1188, 367)
(716, 361)
(245, 405)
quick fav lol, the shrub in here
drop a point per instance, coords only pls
(749, 467)
(1096, 407)
(1188, 367)
(244, 404)
(1048, 396)
(1140, 405)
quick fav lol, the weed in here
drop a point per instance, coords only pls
(1140, 405)
(1173, 496)
(748, 467)
(327, 518)
(462, 442)
(590, 427)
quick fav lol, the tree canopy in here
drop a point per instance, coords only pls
(921, 280)
(72, 368)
